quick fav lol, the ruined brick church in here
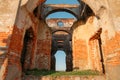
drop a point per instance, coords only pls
(28, 40)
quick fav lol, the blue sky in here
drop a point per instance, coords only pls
(60, 60)
(62, 2)
(60, 55)
(61, 14)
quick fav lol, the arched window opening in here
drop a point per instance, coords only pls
(60, 23)
(61, 2)
(60, 61)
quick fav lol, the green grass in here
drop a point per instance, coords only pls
(37, 72)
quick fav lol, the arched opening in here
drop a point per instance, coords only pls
(60, 23)
(27, 49)
(61, 38)
(60, 64)
(61, 43)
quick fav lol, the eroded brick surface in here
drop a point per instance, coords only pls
(43, 54)
(80, 54)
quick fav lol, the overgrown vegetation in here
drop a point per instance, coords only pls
(37, 72)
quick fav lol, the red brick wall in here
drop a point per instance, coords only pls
(94, 55)
(111, 50)
(43, 54)
(80, 54)
(4, 38)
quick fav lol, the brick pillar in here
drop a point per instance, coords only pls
(69, 65)
(14, 55)
(53, 62)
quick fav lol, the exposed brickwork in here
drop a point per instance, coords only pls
(14, 52)
(43, 51)
(43, 54)
(4, 43)
(4, 38)
(16, 47)
(15, 39)
(80, 54)
(112, 56)
(94, 55)
(113, 50)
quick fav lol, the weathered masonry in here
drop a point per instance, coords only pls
(28, 40)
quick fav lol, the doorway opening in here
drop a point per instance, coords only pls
(61, 44)
(60, 64)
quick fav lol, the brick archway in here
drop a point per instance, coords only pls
(62, 42)
(27, 55)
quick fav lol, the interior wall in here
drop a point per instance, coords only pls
(24, 21)
(108, 19)
(8, 13)
(43, 53)
(108, 12)
(94, 60)
(28, 50)
(80, 41)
